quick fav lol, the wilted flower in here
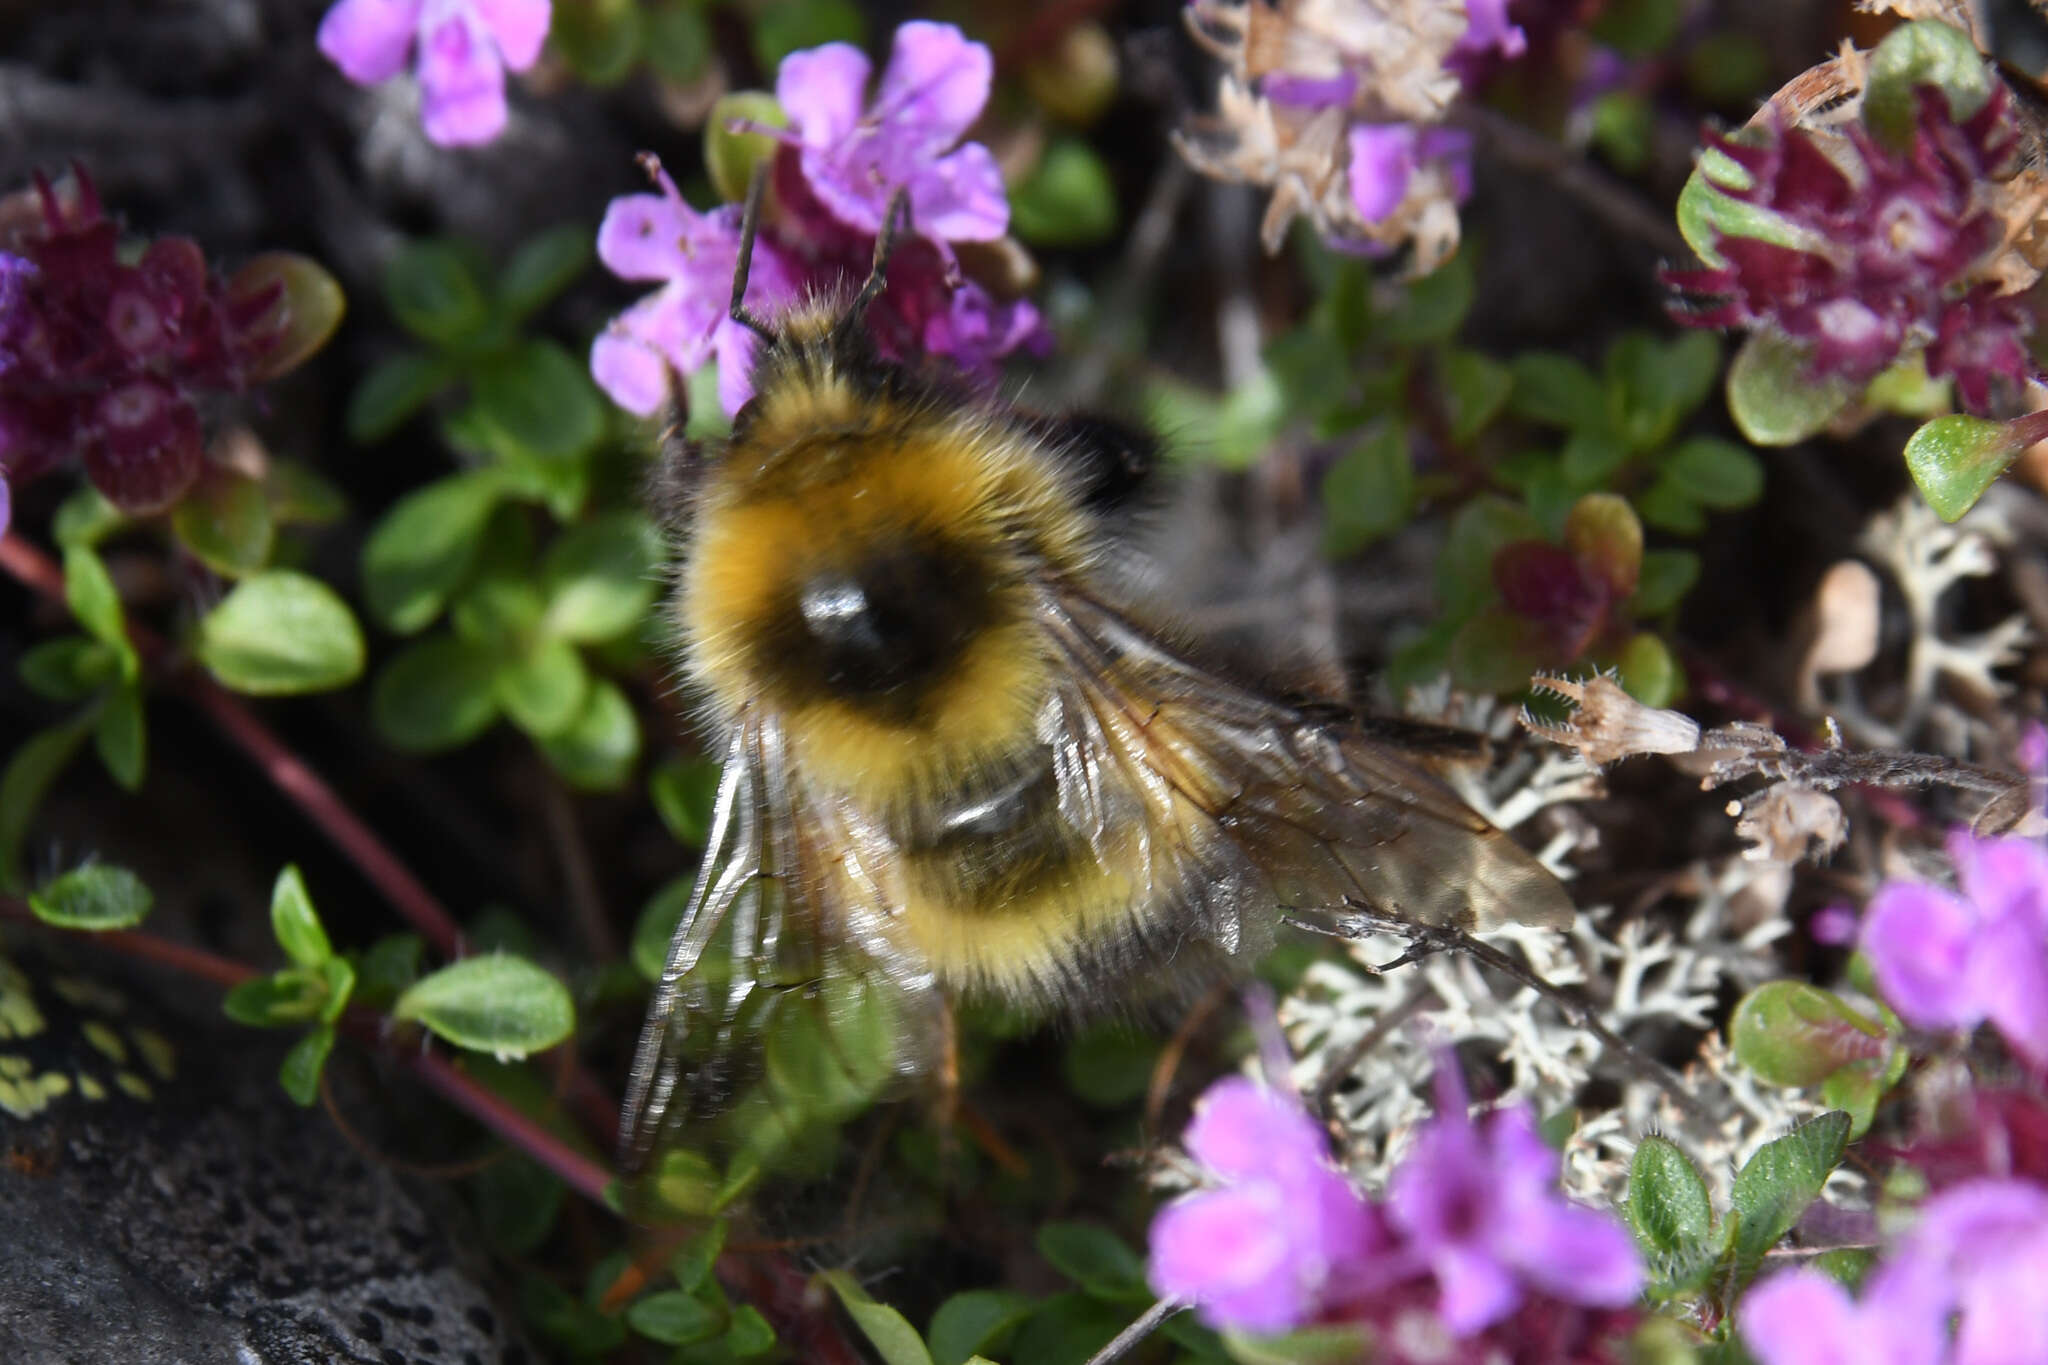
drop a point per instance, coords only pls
(103, 355)
(1335, 105)
(835, 174)
(1875, 251)
(687, 320)
(1977, 1258)
(1945, 960)
(1479, 1203)
(1608, 724)
(463, 50)
(1281, 1230)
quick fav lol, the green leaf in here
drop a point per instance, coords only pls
(434, 294)
(1669, 507)
(1476, 387)
(544, 689)
(294, 922)
(1557, 391)
(120, 736)
(1922, 52)
(1431, 309)
(388, 966)
(1774, 395)
(1639, 28)
(537, 401)
(1667, 1202)
(1368, 492)
(683, 791)
(974, 1322)
(395, 388)
(1068, 1329)
(300, 1073)
(893, 1338)
(504, 613)
(283, 999)
(1590, 457)
(89, 592)
(750, 1334)
(781, 29)
(566, 1320)
(424, 546)
(85, 518)
(656, 926)
(224, 520)
(543, 267)
(601, 577)
(1109, 1064)
(1780, 1181)
(600, 745)
(498, 1004)
(280, 633)
(675, 1317)
(30, 772)
(1096, 1259)
(1624, 126)
(69, 668)
(516, 1201)
(1707, 212)
(1336, 1343)
(435, 695)
(341, 984)
(1648, 671)
(1667, 576)
(695, 1259)
(1604, 535)
(598, 39)
(1068, 200)
(1653, 385)
(676, 40)
(1497, 651)
(97, 896)
(1954, 459)
(1464, 569)
(288, 306)
(1795, 1034)
(731, 155)
(1716, 473)
(301, 497)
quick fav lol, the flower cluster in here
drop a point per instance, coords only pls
(461, 50)
(1952, 961)
(841, 162)
(1975, 1259)
(1872, 252)
(105, 356)
(1336, 105)
(1472, 1237)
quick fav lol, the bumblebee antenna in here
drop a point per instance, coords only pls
(895, 222)
(750, 223)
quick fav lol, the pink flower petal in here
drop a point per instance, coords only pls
(1228, 1252)
(641, 237)
(734, 346)
(2009, 977)
(1918, 938)
(462, 80)
(1241, 1130)
(1580, 1256)
(2001, 874)
(369, 39)
(960, 198)
(519, 26)
(934, 86)
(1382, 160)
(1476, 1290)
(821, 90)
(1801, 1317)
(633, 374)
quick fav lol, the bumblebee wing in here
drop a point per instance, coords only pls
(1327, 814)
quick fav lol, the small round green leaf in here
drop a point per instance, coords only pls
(675, 1317)
(283, 999)
(543, 267)
(300, 1073)
(1557, 391)
(600, 745)
(893, 1338)
(1796, 1034)
(1716, 473)
(224, 520)
(973, 1322)
(1476, 387)
(303, 304)
(1780, 1180)
(793, 25)
(1368, 493)
(1096, 1259)
(1775, 397)
(535, 400)
(424, 546)
(434, 293)
(396, 388)
(1668, 1205)
(30, 771)
(1667, 576)
(89, 592)
(436, 694)
(732, 154)
(1067, 200)
(120, 736)
(69, 668)
(1922, 52)
(281, 632)
(601, 577)
(543, 690)
(498, 1004)
(1648, 671)
(1954, 459)
(599, 39)
(96, 896)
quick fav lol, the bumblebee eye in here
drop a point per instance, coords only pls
(894, 621)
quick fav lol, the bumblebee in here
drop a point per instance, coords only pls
(957, 762)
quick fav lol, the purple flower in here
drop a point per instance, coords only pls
(1488, 31)
(1884, 253)
(687, 321)
(1386, 156)
(1802, 1317)
(933, 88)
(1479, 1203)
(1952, 961)
(1281, 1232)
(463, 49)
